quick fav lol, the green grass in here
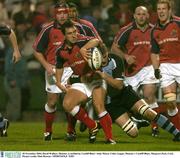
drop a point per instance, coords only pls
(28, 137)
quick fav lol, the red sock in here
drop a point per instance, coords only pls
(106, 123)
(71, 123)
(83, 117)
(176, 120)
(49, 119)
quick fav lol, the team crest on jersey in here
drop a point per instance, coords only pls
(55, 36)
(136, 38)
(174, 33)
(78, 55)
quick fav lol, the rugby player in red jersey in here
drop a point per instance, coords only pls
(133, 44)
(45, 46)
(75, 52)
(89, 30)
(165, 40)
(87, 25)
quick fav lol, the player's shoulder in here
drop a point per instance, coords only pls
(176, 19)
(47, 25)
(85, 22)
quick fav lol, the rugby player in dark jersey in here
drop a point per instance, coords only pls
(122, 99)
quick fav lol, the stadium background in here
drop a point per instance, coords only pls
(106, 15)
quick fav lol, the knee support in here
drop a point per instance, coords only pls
(130, 128)
(143, 108)
(170, 97)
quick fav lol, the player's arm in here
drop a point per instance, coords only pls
(114, 82)
(119, 43)
(59, 71)
(16, 53)
(155, 56)
(85, 52)
(5, 30)
(116, 79)
(40, 46)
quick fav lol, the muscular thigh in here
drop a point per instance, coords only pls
(72, 98)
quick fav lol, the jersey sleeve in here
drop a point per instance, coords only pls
(119, 68)
(59, 60)
(122, 37)
(42, 40)
(154, 45)
(5, 30)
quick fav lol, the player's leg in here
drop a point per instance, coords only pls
(71, 104)
(170, 100)
(170, 75)
(149, 92)
(105, 121)
(71, 123)
(4, 124)
(143, 108)
(50, 110)
(127, 125)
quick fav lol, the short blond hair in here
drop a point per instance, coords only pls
(168, 2)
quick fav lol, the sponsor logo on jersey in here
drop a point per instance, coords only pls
(141, 43)
(168, 40)
(77, 63)
(57, 43)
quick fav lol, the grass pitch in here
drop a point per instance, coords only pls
(26, 136)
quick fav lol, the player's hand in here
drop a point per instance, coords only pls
(102, 74)
(16, 56)
(86, 54)
(62, 87)
(50, 69)
(157, 73)
(130, 59)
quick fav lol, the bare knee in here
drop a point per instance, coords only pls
(52, 100)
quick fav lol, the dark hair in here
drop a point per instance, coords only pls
(67, 24)
(72, 5)
(61, 5)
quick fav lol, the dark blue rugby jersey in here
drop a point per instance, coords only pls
(115, 68)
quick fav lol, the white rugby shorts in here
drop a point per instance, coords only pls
(170, 74)
(51, 81)
(88, 88)
(144, 76)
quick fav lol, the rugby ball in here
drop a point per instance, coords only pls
(96, 59)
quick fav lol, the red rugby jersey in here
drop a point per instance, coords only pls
(48, 40)
(73, 57)
(165, 41)
(89, 28)
(135, 42)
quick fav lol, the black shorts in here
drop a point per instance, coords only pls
(122, 103)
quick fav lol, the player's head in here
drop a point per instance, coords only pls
(70, 32)
(164, 11)
(61, 12)
(73, 12)
(141, 16)
(104, 51)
